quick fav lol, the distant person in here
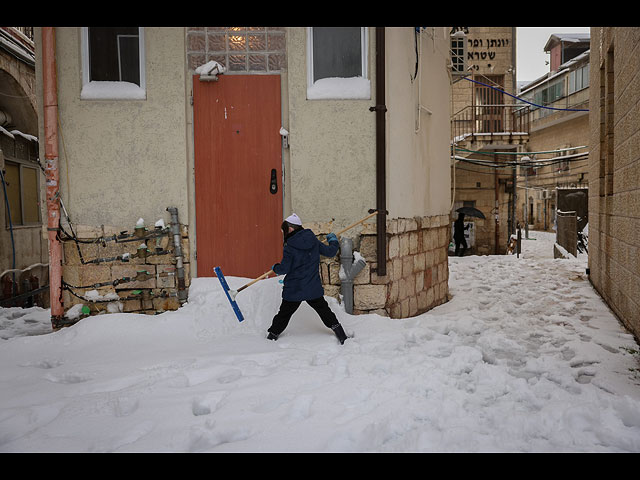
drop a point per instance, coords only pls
(458, 235)
(300, 265)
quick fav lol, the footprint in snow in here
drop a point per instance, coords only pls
(230, 376)
(301, 409)
(68, 378)
(44, 364)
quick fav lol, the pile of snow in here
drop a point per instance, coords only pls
(106, 90)
(524, 358)
(340, 88)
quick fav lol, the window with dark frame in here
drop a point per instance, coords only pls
(114, 54)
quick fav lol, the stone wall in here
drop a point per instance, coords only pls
(417, 267)
(614, 171)
(109, 275)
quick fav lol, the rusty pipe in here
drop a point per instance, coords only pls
(52, 173)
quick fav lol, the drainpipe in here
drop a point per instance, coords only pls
(381, 147)
(349, 269)
(52, 174)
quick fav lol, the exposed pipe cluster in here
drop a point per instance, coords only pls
(143, 252)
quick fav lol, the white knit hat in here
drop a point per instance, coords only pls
(293, 219)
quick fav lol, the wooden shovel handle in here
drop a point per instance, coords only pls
(357, 223)
(266, 274)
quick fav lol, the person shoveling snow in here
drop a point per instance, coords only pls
(300, 265)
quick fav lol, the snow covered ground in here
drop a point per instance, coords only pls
(524, 358)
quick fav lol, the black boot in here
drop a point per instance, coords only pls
(271, 336)
(339, 331)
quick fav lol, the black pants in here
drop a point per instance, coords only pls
(287, 309)
(461, 243)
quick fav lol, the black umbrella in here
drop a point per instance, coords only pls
(471, 212)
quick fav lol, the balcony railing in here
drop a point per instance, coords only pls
(490, 119)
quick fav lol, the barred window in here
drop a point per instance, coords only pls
(458, 53)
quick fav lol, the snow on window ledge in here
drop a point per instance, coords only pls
(112, 91)
(354, 88)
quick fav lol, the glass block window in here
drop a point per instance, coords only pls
(238, 49)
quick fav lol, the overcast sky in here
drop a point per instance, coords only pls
(530, 42)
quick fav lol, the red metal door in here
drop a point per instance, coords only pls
(238, 162)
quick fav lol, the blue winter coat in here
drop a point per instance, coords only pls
(300, 263)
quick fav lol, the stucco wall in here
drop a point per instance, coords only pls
(332, 145)
(122, 159)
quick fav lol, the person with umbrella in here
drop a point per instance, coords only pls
(458, 234)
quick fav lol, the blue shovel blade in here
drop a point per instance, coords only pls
(225, 287)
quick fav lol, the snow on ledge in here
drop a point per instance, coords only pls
(112, 91)
(334, 88)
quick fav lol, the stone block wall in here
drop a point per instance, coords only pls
(417, 267)
(614, 171)
(123, 276)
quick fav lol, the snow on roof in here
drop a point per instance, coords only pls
(567, 38)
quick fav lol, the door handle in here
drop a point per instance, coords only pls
(273, 185)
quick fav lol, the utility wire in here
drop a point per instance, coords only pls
(526, 101)
(518, 153)
(539, 163)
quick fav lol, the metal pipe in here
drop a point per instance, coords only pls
(177, 243)
(381, 148)
(350, 268)
(52, 174)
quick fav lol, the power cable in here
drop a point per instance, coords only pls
(526, 101)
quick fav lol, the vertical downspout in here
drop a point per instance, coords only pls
(52, 174)
(381, 148)
(514, 56)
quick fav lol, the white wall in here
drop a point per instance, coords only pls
(418, 154)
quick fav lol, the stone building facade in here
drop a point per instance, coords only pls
(614, 171)
(483, 119)
(562, 131)
(23, 246)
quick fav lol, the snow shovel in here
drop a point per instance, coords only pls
(231, 294)
(225, 287)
